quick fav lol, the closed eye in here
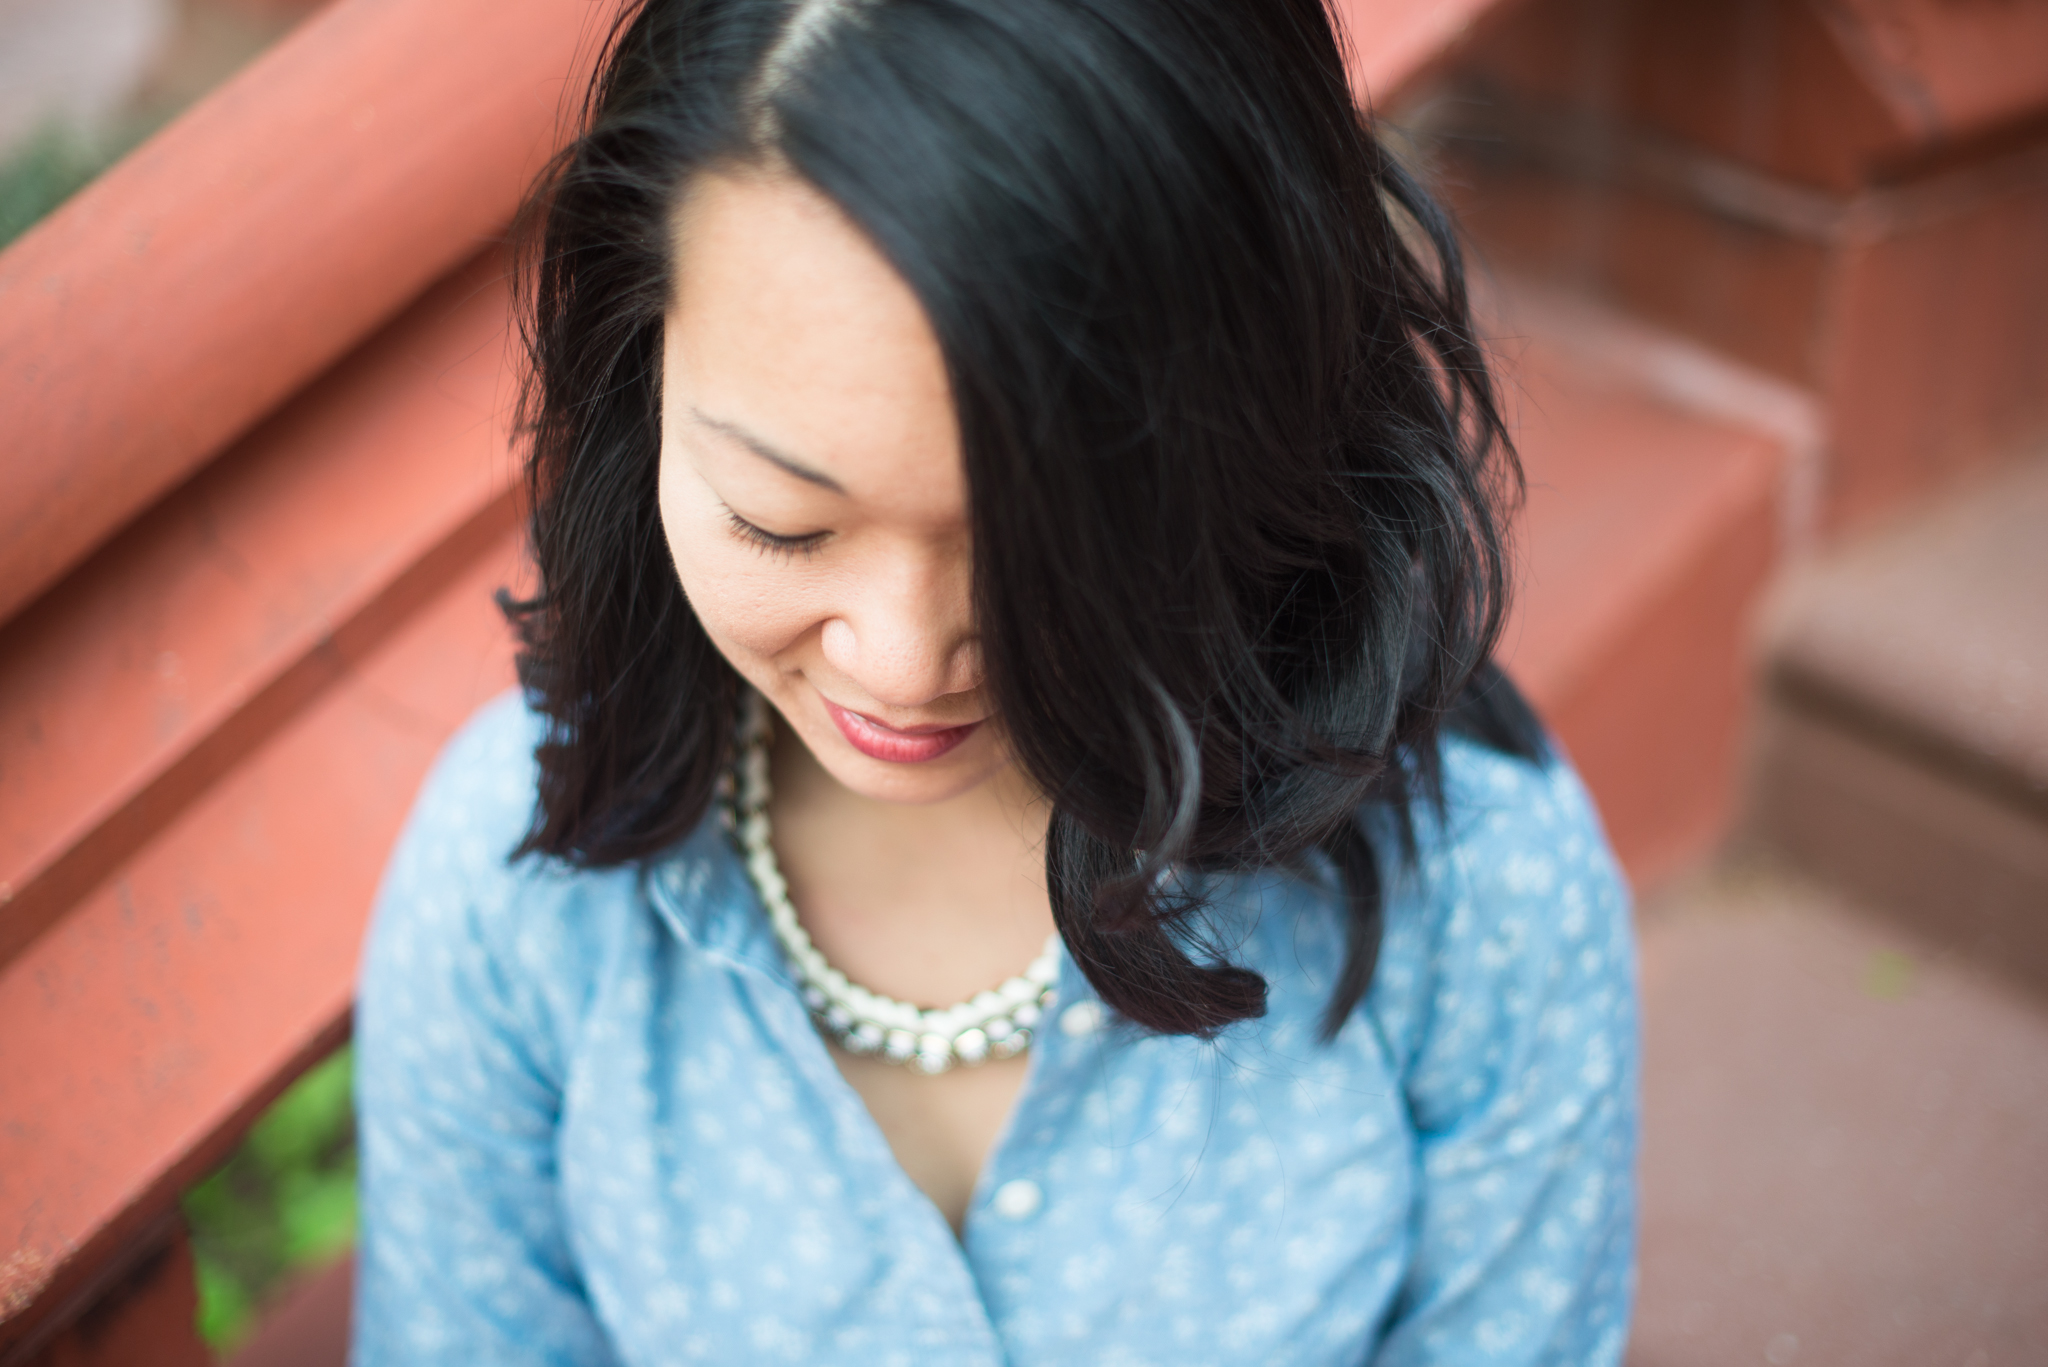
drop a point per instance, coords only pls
(761, 539)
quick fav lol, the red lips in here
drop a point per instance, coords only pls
(878, 741)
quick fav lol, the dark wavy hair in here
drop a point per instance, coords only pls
(1238, 483)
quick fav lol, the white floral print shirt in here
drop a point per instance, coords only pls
(598, 1127)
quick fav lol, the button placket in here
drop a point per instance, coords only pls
(1017, 1199)
(1010, 1199)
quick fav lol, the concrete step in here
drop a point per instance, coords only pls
(1845, 1139)
(1904, 748)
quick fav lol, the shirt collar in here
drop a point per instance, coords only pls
(702, 892)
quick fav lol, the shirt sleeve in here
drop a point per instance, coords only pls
(463, 1255)
(1522, 1088)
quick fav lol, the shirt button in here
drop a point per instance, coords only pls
(1082, 1018)
(1018, 1199)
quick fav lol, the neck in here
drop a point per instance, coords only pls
(930, 903)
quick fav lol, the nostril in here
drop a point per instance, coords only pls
(837, 641)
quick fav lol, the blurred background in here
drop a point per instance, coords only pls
(83, 82)
(1768, 284)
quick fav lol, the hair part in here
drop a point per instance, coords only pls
(810, 24)
(1238, 482)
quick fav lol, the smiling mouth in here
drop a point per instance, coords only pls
(878, 740)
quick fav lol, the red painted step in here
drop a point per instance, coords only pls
(144, 1030)
(152, 670)
(1655, 512)
(238, 254)
(201, 842)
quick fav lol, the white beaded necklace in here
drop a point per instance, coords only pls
(992, 1024)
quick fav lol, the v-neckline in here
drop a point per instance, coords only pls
(752, 948)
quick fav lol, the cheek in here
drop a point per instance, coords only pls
(752, 606)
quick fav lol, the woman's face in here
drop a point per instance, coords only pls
(812, 489)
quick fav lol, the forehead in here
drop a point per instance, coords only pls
(787, 322)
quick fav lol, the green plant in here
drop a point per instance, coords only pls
(44, 171)
(284, 1202)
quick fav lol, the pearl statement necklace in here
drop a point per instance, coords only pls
(992, 1024)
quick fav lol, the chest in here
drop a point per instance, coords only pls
(940, 1129)
(733, 1191)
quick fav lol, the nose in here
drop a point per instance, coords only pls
(904, 634)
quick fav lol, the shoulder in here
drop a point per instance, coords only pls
(1516, 849)
(477, 800)
(1511, 928)
(453, 859)
(462, 927)
(1514, 829)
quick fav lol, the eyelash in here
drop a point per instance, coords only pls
(782, 547)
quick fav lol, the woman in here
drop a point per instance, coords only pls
(1010, 848)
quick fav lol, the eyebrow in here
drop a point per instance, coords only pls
(767, 452)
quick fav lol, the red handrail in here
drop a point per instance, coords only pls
(245, 248)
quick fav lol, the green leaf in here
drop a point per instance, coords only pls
(310, 1121)
(318, 1211)
(226, 1313)
(283, 1202)
(42, 173)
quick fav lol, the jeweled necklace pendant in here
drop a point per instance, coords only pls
(997, 1023)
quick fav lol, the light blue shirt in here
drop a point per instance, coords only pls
(598, 1126)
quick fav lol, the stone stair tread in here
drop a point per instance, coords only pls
(1934, 637)
(1845, 1140)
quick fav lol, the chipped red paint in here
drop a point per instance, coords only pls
(23, 1275)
